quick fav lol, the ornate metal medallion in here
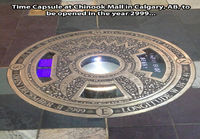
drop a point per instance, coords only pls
(101, 73)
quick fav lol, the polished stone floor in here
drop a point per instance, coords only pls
(18, 119)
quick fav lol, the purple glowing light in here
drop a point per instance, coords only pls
(45, 63)
(44, 73)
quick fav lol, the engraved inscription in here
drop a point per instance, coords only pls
(16, 66)
(104, 111)
(184, 61)
(151, 73)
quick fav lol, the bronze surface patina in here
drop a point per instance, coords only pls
(150, 72)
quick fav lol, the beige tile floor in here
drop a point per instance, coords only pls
(73, 133)
(58, 133)
(196, 83)
(18, 134)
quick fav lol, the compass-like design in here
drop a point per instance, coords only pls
(101, 73)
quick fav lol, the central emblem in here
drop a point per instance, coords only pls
(101, 73)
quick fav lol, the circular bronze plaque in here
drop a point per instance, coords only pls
(101, 73)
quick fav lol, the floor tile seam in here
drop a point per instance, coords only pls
(79, 29)
(9, 94)
(24, 11)
(57, 23)
(141, 126)
(10, 16)
(9, 3)
(131, 2)
(106, 128)
(35, 28)
(12, 92)
(38, 133)
(55, 30)
(21, 16)
(40, 124)
(186, 124)
(70, 128)
(97, 22)
(4, 3)
(173, 124)
(96, 17)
